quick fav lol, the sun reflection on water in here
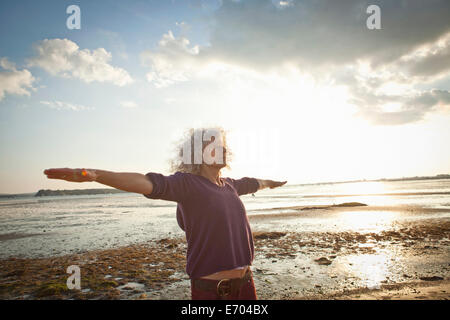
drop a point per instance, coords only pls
(372, 269)
(367, 221)
(367, 192)
(365, 187)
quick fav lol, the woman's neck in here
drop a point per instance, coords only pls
(211, 173)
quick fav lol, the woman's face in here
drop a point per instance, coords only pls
(224, 158)
(219, 147)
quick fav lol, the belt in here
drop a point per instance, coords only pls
(223, 287)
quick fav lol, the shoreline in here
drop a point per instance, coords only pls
(288, 265)
(301, 211)
(414, 290)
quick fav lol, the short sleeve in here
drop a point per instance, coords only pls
(244, 185)
(171, 188)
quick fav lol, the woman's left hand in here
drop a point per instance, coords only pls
(274, 184)
(270, 184)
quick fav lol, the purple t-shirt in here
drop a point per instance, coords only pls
(217, 230)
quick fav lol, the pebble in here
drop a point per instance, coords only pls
(323, 261)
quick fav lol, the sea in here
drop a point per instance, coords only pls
(32, 227)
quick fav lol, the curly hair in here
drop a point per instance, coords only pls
(177, 163)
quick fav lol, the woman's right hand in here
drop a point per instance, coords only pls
(72, 175)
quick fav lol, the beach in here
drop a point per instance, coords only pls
(405, 259)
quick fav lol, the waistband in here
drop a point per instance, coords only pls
(223, 287)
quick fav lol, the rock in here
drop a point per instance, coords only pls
(51, 288)
(323, 261)
(349, 204)
(314, 208)
(268, 235)
(433, 278)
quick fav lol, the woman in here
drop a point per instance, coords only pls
(219, 239)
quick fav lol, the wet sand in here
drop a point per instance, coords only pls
(414, 290)
(408, 260)
(294, 211)
(13, 235)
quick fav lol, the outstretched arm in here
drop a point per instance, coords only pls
(269, 184)
(126, 181)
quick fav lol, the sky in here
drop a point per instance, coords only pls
(306, 91)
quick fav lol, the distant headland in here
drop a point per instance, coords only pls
(48, 192)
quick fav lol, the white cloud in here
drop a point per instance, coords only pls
(407, 108)
(128, 104)
(60, 105)
(390, 94)
(183, 26)
(6, 64)
(283, 4)
(429, 60)
(170, 100)
(115, 41)
(13, 81)
(171, 62)
(64, 58)
(175, 60)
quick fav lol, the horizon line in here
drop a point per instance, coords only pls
(437, 176)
